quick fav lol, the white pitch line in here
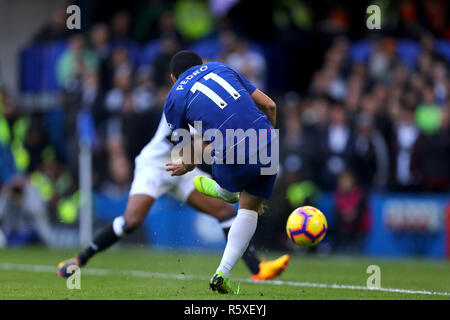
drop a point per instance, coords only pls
(158, 275)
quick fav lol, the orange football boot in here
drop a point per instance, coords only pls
(62, 271)
(272, 268)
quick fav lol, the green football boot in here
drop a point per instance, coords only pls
(220, 283)
(207, 186)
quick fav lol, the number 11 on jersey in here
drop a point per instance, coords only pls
(211, 94)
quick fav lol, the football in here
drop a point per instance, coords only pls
(306, 226)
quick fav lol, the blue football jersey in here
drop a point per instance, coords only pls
(219, 97)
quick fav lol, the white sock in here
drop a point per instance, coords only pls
(241, 232)
(119, 226)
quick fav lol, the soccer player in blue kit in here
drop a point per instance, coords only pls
(224, 101)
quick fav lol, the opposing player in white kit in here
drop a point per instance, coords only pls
(151, 180)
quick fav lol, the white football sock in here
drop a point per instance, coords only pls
(119, 226)
(241, 232)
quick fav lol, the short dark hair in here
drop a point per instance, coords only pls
(184, 60)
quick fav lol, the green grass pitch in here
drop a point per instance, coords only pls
(130, 273)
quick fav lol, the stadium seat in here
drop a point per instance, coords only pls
(132, 48)
(149, 52)
(53, 123)
(408, 51)
(443, 48)
(209, 48)
(31, 68)
(360, 51)
(8, 168)
(51, 54)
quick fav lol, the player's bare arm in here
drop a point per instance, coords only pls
(266, 105)
(179, 167)
(182, 166)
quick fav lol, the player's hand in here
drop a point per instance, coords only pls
(178, 168)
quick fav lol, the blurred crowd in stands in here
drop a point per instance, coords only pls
(364, 114)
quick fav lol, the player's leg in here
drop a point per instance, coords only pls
(211, 188)
(225, 213)
(244, 226)
(148, 184)
(185, 191)
(241, 232)
(137, 208)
